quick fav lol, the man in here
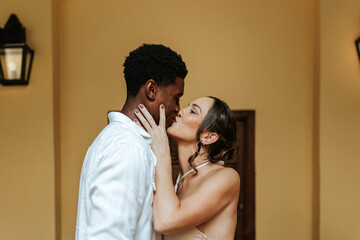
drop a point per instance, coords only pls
(118, 173)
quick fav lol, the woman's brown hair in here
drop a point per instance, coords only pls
(220, 120)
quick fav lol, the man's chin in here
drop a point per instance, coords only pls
(168, 124)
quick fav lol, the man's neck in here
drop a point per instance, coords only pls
(130, 105)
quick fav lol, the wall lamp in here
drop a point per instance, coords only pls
(15, 56)
(357, 43)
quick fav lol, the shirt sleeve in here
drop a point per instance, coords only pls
(117, 192)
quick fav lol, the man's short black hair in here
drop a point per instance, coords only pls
(152, 61)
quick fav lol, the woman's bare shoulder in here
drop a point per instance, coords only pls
(225, 177)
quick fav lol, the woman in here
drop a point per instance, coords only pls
(204, 203)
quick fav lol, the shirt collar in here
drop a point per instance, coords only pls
(122, 118)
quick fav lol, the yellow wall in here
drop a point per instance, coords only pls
(339, 120)
(27, 203)
(254, 55)
(270, 56)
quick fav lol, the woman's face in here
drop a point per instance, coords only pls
(189, 119)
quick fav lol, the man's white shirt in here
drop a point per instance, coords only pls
(117, 183)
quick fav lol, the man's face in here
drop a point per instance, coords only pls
(170, 97)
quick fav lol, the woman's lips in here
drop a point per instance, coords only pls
(174, 121)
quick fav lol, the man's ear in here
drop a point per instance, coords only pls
(208, 138)
(151, 89)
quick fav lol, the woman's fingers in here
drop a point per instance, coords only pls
(147, 120)
(162, 121)
(143, 121)
(147, 115)
(138, 123)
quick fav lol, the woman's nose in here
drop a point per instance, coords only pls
(179, 113)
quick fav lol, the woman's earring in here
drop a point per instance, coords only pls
(221, 163)
(196, 146)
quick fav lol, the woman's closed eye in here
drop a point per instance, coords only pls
(193, 106)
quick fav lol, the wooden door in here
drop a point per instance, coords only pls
(244, 164)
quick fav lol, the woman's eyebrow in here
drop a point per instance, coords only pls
(195, 105)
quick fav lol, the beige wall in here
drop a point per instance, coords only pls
(27, 204)
(339, 120)
(254, 55)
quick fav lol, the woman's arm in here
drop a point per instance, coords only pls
(171, 214)
(216, 193)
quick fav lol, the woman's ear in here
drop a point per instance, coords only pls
(208, 138)
(151, 89)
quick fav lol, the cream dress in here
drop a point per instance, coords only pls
(188, 234)
(191, 233)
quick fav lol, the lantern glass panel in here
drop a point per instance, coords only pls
(11, 59)
(28, 62)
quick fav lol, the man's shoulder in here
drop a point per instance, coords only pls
(116, 132)
(120, 136)
(118, 145)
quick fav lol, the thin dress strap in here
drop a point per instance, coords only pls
(187, 173)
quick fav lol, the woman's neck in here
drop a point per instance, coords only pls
(185, 150)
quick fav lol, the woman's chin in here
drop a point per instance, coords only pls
(170, 131)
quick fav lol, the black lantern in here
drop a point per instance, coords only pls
(15, 56)
(357, 43)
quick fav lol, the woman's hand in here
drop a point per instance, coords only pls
(160, 143)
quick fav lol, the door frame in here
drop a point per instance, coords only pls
(247, 174)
